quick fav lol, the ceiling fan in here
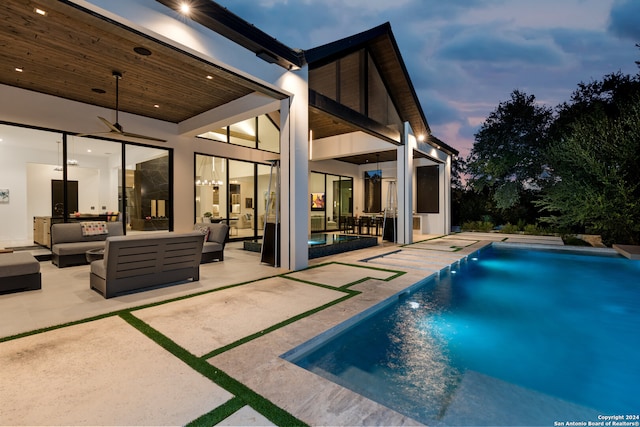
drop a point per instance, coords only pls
(116, 128)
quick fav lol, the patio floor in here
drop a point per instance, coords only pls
(207, 351)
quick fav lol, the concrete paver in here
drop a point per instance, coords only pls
(103, 372)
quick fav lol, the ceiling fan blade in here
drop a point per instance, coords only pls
(80, 135)
(116, 128)
(135, 135)
(111, 126)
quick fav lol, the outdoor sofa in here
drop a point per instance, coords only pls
(70, 241)
(136, 262)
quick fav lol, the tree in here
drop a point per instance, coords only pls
(458, 171)
(611, 95)
(597, 174)
(507, 155)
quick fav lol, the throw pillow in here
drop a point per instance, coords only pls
(204, 230)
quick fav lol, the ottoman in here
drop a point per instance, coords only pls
(19, 271)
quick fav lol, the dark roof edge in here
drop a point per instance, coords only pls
(220, 20)
(351, 43)
(443, 146)
(409, 82)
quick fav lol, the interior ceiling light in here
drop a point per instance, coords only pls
(40, 11)
(156, 106)
(19, 69)
(210, 77)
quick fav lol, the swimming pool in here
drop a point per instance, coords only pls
(507, 337)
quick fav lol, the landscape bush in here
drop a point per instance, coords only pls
(484, 226)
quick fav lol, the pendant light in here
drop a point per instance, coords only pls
(58, 167)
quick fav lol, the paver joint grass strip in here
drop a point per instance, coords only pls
(345, 287)
(271, 411)
(218, 414)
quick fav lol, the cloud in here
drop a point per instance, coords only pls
(439, 110)
(540, 14)
(501, 48)
(624, 19)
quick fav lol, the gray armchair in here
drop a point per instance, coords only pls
(216, 235)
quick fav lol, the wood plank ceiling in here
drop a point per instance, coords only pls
(71, 53)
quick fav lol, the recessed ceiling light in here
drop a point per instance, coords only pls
(142, 51)
(88, 151)
(19, 69)
(40, 11)
(184, 8)
(156, 106)
(98, 90)
(210, 77)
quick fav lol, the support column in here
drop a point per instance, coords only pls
(405, 187)
(446, 190)
(294, 160)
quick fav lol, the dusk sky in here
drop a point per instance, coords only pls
(466, 56)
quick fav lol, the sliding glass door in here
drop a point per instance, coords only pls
(48, 177)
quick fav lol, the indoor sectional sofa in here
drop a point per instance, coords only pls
(135, 262)
(70, 241)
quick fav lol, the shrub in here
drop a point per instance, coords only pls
(509, 228)
(477, 226)
(571, 240)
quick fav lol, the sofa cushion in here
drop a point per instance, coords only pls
(18, 264)
(211, 247)
(76, 248)
(218, 232)
(99, 268)
(72, 232)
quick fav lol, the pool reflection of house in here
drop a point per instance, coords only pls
(228, 99)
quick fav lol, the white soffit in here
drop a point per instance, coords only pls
(348, 145)
(247, 107)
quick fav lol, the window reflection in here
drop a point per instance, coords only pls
(147, 188)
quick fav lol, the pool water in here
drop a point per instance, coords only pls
(330, 239)
(537, 328)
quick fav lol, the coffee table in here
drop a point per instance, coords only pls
(94, 255)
